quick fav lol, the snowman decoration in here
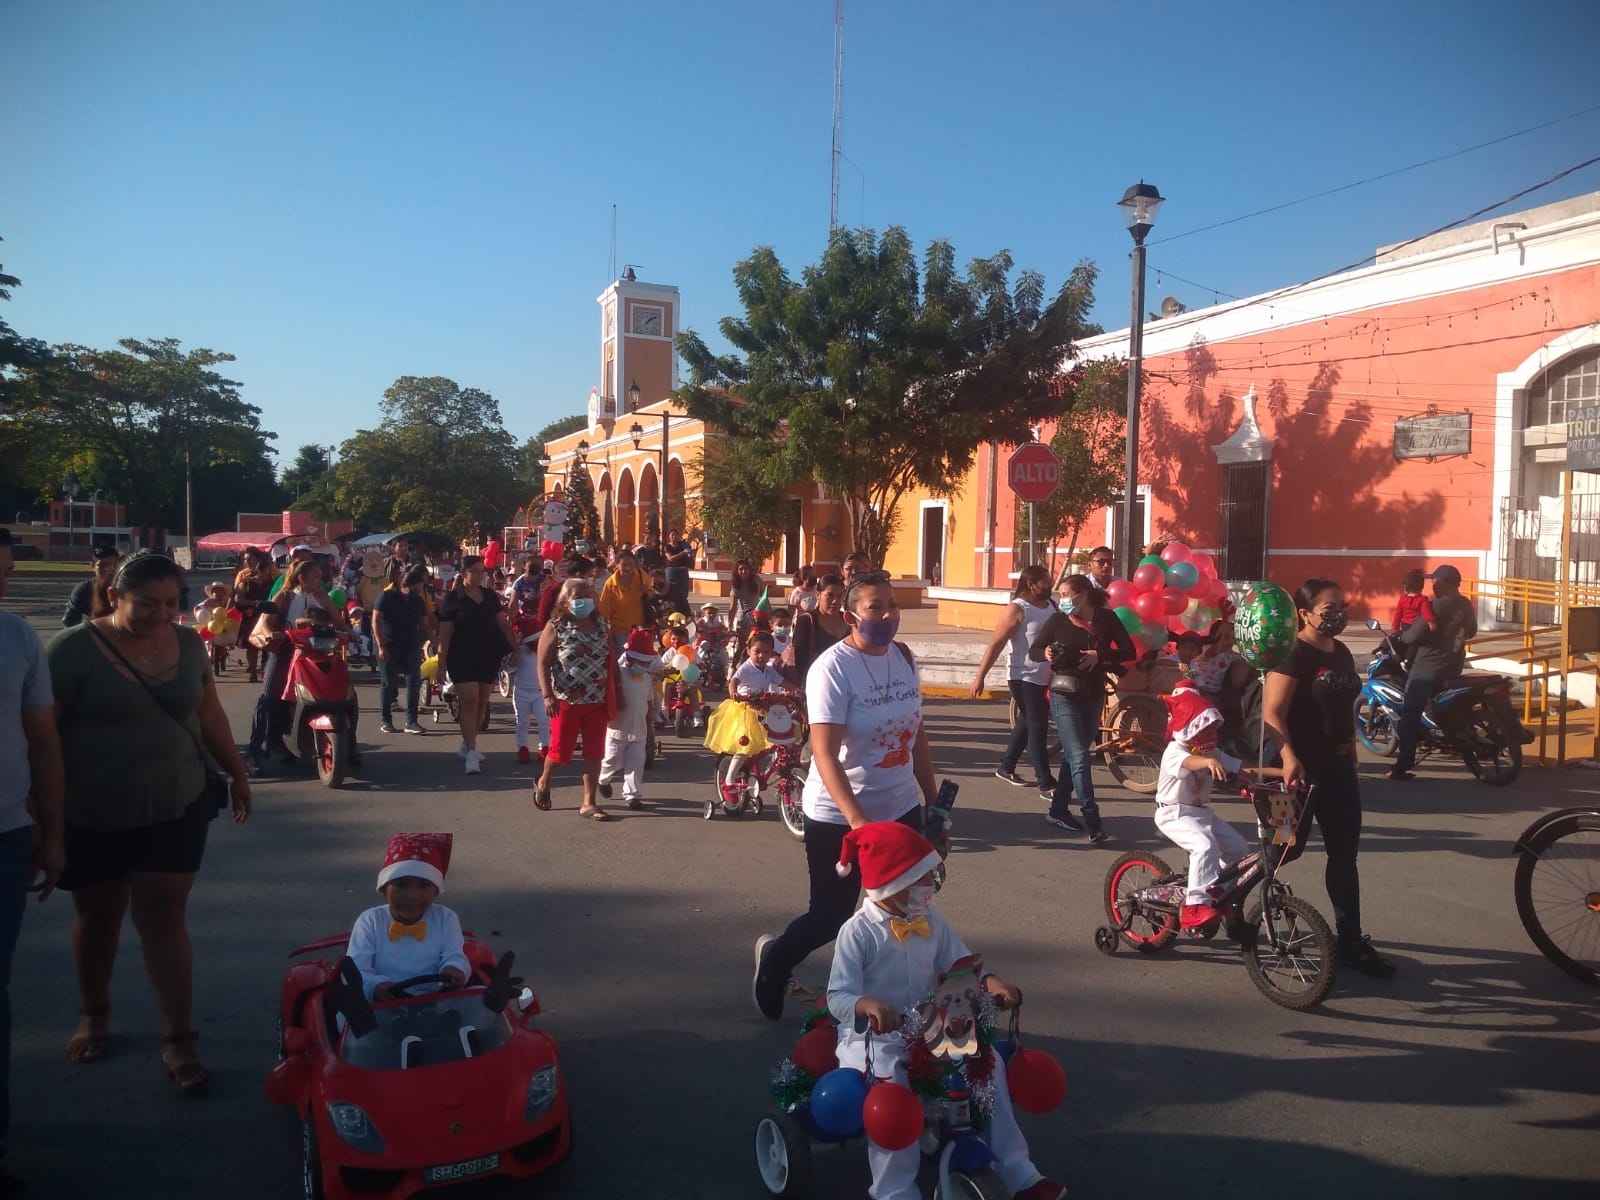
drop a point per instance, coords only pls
(553, 531)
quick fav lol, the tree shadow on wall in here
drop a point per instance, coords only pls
(1331, 479)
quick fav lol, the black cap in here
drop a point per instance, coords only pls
(1445, 574)
(106, 552)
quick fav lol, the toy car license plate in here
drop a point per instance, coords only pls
(462, 1170)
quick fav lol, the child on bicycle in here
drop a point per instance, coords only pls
(887, 959)
(735, 728)
(408, 934)
(1189, 766)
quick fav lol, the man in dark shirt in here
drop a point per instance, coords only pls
(649, 555)
(1440, 655)
(680, 557)
(398, 618)
(80, 605)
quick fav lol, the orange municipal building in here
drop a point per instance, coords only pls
(1407, 414)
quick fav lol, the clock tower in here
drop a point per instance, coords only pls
(637, 324)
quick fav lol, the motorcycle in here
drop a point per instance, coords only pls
(324, 702)
(1470, 715)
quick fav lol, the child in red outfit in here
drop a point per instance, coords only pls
(1413, 606)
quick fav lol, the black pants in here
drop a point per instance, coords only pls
(1031, 731)
(267, 725)
(1337, 811)
(832, 899)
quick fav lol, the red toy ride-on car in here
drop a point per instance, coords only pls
(403, 1096)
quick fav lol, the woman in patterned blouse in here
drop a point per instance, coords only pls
(574, 675)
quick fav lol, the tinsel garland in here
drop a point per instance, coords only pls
(926, 1073)
(790, 1086)
(815, 1017)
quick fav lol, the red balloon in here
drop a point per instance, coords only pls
(1149, 605)
(1175, 552)
(1036, 1081)
(1120, 594)
(1174, 600)
(1149, 578)
(892, 1116)
(1203, 562)
(814, 1053)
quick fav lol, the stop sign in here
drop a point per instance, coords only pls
(1034, 472)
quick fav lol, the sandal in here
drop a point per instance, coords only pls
(541, 798)
(189, 1077)
(90, 1047)
(594, 813)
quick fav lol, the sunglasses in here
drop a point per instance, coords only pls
(1101, 562)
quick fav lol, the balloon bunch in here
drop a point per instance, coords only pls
(1171, 593)
(684, 666)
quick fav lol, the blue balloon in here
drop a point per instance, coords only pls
(690, 674)
(1183, 575)
(837, 1100)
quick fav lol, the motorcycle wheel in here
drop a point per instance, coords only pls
(333, 756)
(1491, 749)
(1557, 888)
(1376, 731)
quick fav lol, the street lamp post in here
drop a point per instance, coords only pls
(1139, 204)
(69, 487)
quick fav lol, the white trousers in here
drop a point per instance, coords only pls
(894, 1173)
(527, 701)
(626, 759)
(1209, 840)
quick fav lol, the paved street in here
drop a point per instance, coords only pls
(1475, 1073)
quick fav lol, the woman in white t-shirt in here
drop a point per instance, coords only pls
(1028, 681)
(870, 762)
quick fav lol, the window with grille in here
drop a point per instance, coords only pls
(1571, 382)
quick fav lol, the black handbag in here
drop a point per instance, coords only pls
(216, 793)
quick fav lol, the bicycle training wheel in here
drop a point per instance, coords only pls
(1148, 929)
(1558, 894)
(1298, 968)
(1138, 736)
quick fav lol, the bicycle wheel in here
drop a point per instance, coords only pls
(1558, 894)
(1148, 929)
(789, 783)
(1297, 970)
(1138, 726)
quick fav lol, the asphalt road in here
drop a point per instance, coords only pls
(1474, 1073)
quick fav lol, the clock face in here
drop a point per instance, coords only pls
(647, 321)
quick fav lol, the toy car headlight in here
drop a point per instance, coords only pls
(327, 645)
(355, 1128)
(541, 1093)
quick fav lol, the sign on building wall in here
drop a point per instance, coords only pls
(1583, 438)
(1444, 435)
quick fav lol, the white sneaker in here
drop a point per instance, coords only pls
(474, 762)
(462, 751)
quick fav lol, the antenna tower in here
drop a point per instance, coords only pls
(838, 109)
(611, 266)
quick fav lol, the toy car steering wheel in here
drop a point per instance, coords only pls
(399, 989)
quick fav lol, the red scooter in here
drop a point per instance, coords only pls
(324, 724)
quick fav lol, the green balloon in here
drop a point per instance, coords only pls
(1153, 560)
(1265, 625)
(338, 596)
(1131, 621)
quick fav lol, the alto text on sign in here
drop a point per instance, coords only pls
(1034, 472)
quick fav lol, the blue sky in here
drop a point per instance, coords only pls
(341, 193)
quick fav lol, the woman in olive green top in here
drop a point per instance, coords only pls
(135, 701)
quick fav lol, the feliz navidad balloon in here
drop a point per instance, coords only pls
(1264, 626)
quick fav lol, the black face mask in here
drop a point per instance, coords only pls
(1332, 624)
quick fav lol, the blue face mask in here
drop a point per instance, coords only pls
(582, 607)
(878, 632)
(1067, 605)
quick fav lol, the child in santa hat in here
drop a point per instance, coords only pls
(887, 959)
(408, 934)
(526, 698)
(1189, 766)
(628, 733)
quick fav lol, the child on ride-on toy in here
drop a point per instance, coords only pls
(408, 934)
(710, 629)
(1189, 765)
(735, 728)
(887, 958)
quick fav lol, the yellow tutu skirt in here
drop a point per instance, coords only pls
(430, 669)
(735, 728)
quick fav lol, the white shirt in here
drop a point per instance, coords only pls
(868, 960)
(878, 700)
(636, 689)
(382, 961)
(1178, 784)
(751, 679)
(1021, 666)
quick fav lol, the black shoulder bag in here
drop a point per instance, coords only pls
(216, 794)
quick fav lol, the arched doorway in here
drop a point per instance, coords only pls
(627, 509)
(608, 515)
(677, 493)
(649, 496)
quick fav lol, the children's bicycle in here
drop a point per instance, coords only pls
(784, 720)
(1289, 951)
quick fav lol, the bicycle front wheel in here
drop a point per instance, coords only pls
(1294, 963)
(1558, 894)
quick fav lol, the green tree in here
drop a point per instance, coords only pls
(583, 518)
(1089, 440)
(440, 460)
(874, 375)
(17, 443)
(311, 463)
(533, 449)
(740, 507)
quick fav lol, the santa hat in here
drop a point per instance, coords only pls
(1192, 712)
(641, 646)
(421, 855)
(528, 628)
(892, 857)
